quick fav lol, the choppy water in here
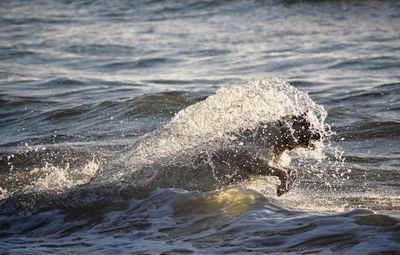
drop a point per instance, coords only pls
(89, 91)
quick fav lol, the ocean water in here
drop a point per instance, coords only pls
(112, 112)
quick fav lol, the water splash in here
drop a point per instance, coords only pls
(58, 179)
(170, 156)
(49, 178)
(208, 125)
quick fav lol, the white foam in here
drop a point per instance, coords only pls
(3, 193)
(209, 122)
(230, 109)
(58, 179)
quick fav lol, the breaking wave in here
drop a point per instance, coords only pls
(216, 123)
(184, 152)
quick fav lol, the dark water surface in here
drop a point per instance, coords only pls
(81, 81)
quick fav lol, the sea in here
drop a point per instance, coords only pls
(97, 97)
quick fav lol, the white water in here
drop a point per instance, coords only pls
(233, 219)
(208, 125)
(50, 178)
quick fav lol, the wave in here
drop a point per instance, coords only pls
(227, 138)
(45, 169)
(221, 121)
(138, 64)
(232, 220)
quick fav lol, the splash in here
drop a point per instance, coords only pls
(230, 109)
(211, 125)
(49, 178)
(59, 179)
(197, 149)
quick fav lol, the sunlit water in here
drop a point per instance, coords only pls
(90, 91)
